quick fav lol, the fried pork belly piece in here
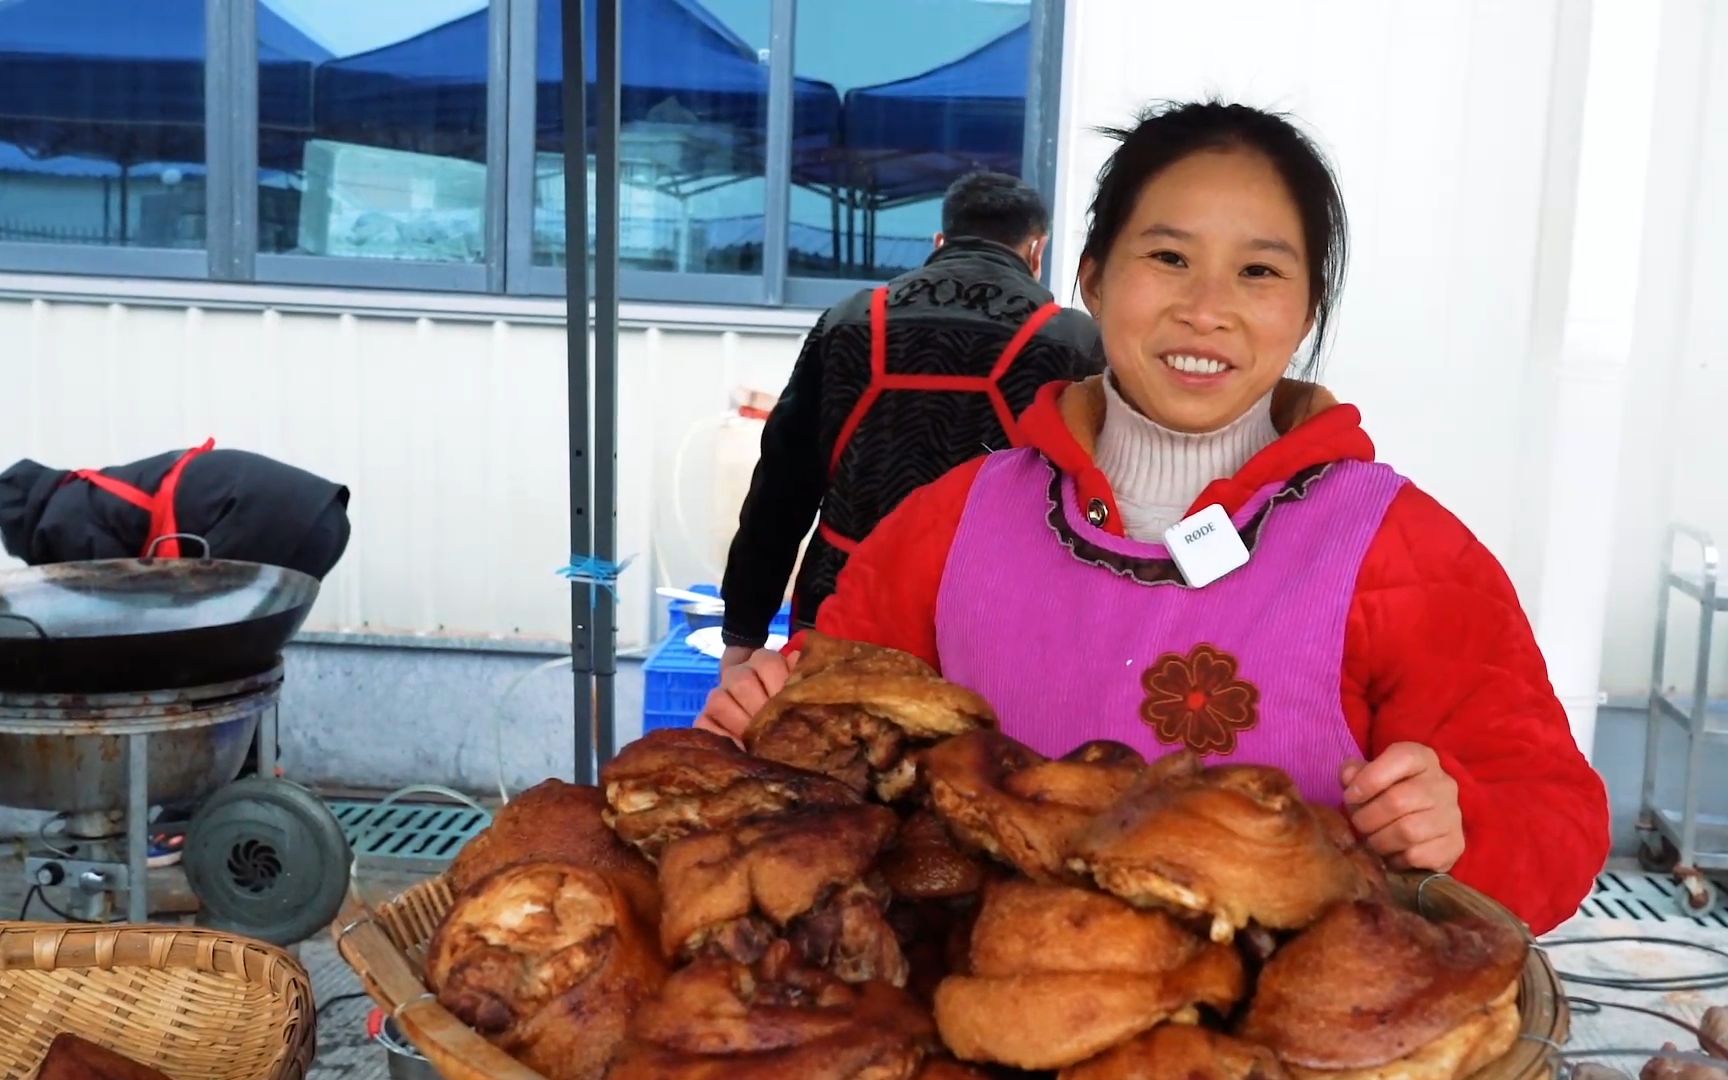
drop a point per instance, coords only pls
(858, 713)
(1376, 991)
(805, 874)
(1059, 975)
(775, 1020)
(1001, 797)
(672, 783)
(562, 823)
(1234, 843)
(548, 961)
(1180, 1052)
(1026, 927)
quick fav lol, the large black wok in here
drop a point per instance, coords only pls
(113, 625)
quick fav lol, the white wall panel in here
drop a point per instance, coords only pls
(1454, 131)
(1675, 433)
(451, 434)
(1435, 116)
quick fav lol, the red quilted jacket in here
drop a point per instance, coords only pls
(1437, 651)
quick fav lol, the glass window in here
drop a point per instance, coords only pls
(920, 108)
(692, 141)
(373, 139)
(102, 122)
(372, 129)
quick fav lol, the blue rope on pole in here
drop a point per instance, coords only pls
(594, 571)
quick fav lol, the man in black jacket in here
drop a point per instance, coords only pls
(895, 387)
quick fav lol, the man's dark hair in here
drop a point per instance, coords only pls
(994, 206)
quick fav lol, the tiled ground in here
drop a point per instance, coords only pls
(344, 1051)
(1594, 1033)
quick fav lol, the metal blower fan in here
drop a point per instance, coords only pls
(267, 860)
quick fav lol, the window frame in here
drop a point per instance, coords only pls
(485, 276)
(181, 264)
(231, 254)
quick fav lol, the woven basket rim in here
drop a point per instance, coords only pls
(459, 1053)
(41, 951)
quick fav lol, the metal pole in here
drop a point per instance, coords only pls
(521, 145)
(137, 828)
(834, 221)
(1647, 809)
(498, 61)
(1698, 733)
(777, 151)
(576, 334)
(219, 192)
(267, 726)
(1043, 105)
(606, 368)
(231, 138)
(851, 226)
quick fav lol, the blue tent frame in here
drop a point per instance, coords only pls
(417, 92)
(134, 66)
(904, 140)
(139, 72)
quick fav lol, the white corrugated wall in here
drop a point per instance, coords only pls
(450, 432)
(1456, 129)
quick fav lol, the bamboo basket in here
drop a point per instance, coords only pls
(387, 949)
(195, 1004)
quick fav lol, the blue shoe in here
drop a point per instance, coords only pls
(165, 849)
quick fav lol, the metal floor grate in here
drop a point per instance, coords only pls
(1643, 898)
(408, 836)
(425, 837)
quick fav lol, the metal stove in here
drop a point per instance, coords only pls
(264, 857)
(81, 739)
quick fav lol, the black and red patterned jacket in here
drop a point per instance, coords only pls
(952, 318)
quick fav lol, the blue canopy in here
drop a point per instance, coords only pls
(679, 62)
(908, 138)
(124, 80)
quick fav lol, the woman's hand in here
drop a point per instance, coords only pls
(744, 688)
(1406, 808)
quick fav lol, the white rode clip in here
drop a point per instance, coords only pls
(1206, 546)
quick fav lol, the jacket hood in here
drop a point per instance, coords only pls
(25, 489)
(1064, 421)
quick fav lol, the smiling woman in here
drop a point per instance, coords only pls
(1370, 647)
(1224, 261)
(1175, 352)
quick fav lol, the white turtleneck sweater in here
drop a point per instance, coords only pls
(1157, 473)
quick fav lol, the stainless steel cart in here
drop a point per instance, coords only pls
(1686, 843)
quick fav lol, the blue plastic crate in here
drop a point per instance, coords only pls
(678, 679)
(676, 682)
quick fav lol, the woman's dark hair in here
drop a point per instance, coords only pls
(1165, 134)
